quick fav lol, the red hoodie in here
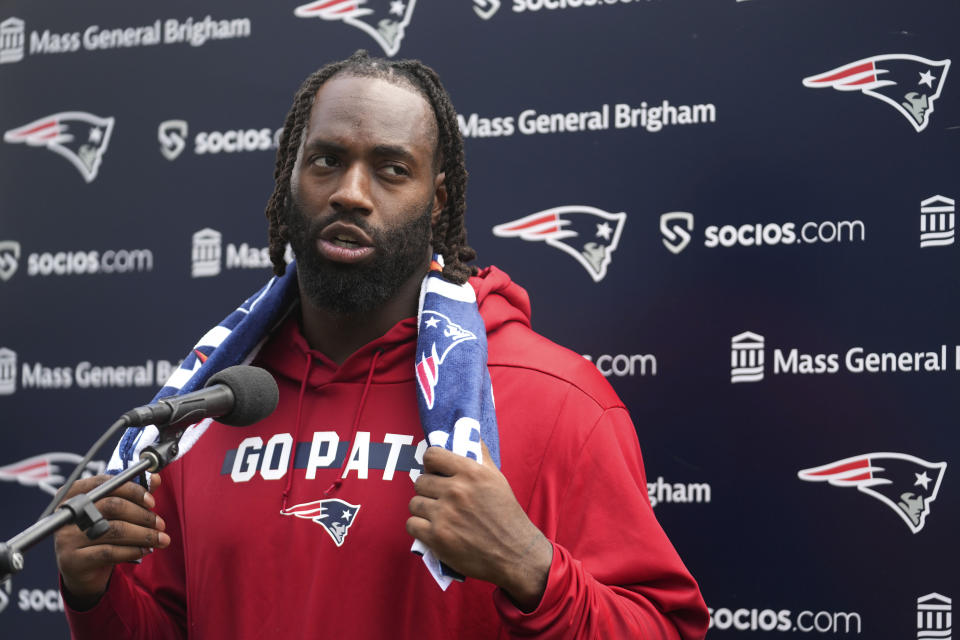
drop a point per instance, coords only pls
(239, 568)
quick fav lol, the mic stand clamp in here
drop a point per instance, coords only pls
(81, 510)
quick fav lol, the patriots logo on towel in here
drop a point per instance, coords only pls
(334, 515)
(448, 334)
(44, 471)
(588, 234)
(80, 137)
(908, 83)
(385, 20)
(903, 482)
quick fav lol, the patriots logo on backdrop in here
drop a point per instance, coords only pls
(80, 137)
(910, 84)
(334, 515)
(384, 20)
(588, 234)
(45, 471)
(903, 482)
(448, 334)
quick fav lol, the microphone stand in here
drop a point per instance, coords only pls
(80, 509)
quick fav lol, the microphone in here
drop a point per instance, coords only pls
(237, 396)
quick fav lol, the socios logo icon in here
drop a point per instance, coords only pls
(9, 258)
(172, 135)
(5, 594)
(486, 8)
(676, 227)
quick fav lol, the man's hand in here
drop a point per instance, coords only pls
(467, 514)
(86, 564)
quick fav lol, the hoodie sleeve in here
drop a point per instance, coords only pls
(143, 601)
(614, 572)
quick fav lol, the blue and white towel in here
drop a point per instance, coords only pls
(455, 395)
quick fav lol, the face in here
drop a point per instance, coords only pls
(364, 192)
(912, 505)
(916, 103)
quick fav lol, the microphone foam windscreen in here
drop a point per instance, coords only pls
(254, 390)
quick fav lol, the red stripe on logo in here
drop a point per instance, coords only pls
(856, 464)
(860, 68)
(39, 127)
(541, 220)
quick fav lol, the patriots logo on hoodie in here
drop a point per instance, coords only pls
(588, 234)
(903, 482)
(78, 136)
(45, 472)
(333, 514)
(908, 83)
(446, 333)
(385, 21)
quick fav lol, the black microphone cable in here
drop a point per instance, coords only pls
(107, 435)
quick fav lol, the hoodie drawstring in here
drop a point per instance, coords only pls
(356, 420)
(296, 438)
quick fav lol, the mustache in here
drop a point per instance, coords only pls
(315, 225)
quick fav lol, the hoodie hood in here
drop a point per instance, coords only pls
(501, 300)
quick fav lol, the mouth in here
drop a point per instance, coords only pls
(341, 242)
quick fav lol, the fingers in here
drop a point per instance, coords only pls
(126, 534)
(133, 531)
(487, 458)
(429, 485)
(439, 460)
(128, 491)
(418, 528)
(445, 462)
(422, 507)
(114, 507)
(108, 555)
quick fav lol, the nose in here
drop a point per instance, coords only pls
(353, 191)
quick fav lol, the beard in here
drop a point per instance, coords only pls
(401, 251)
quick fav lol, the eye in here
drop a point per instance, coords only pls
(325, 161)
(396, 170)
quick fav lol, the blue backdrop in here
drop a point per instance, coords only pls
(764, 261)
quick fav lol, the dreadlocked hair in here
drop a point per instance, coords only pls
(449, 232)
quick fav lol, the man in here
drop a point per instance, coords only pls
(297, 526)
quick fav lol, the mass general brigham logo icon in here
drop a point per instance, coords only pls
(746, 357)
(8, 371)
(937, 221)
(207, 249)
(12, 37)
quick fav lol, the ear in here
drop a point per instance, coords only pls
(439, 196)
